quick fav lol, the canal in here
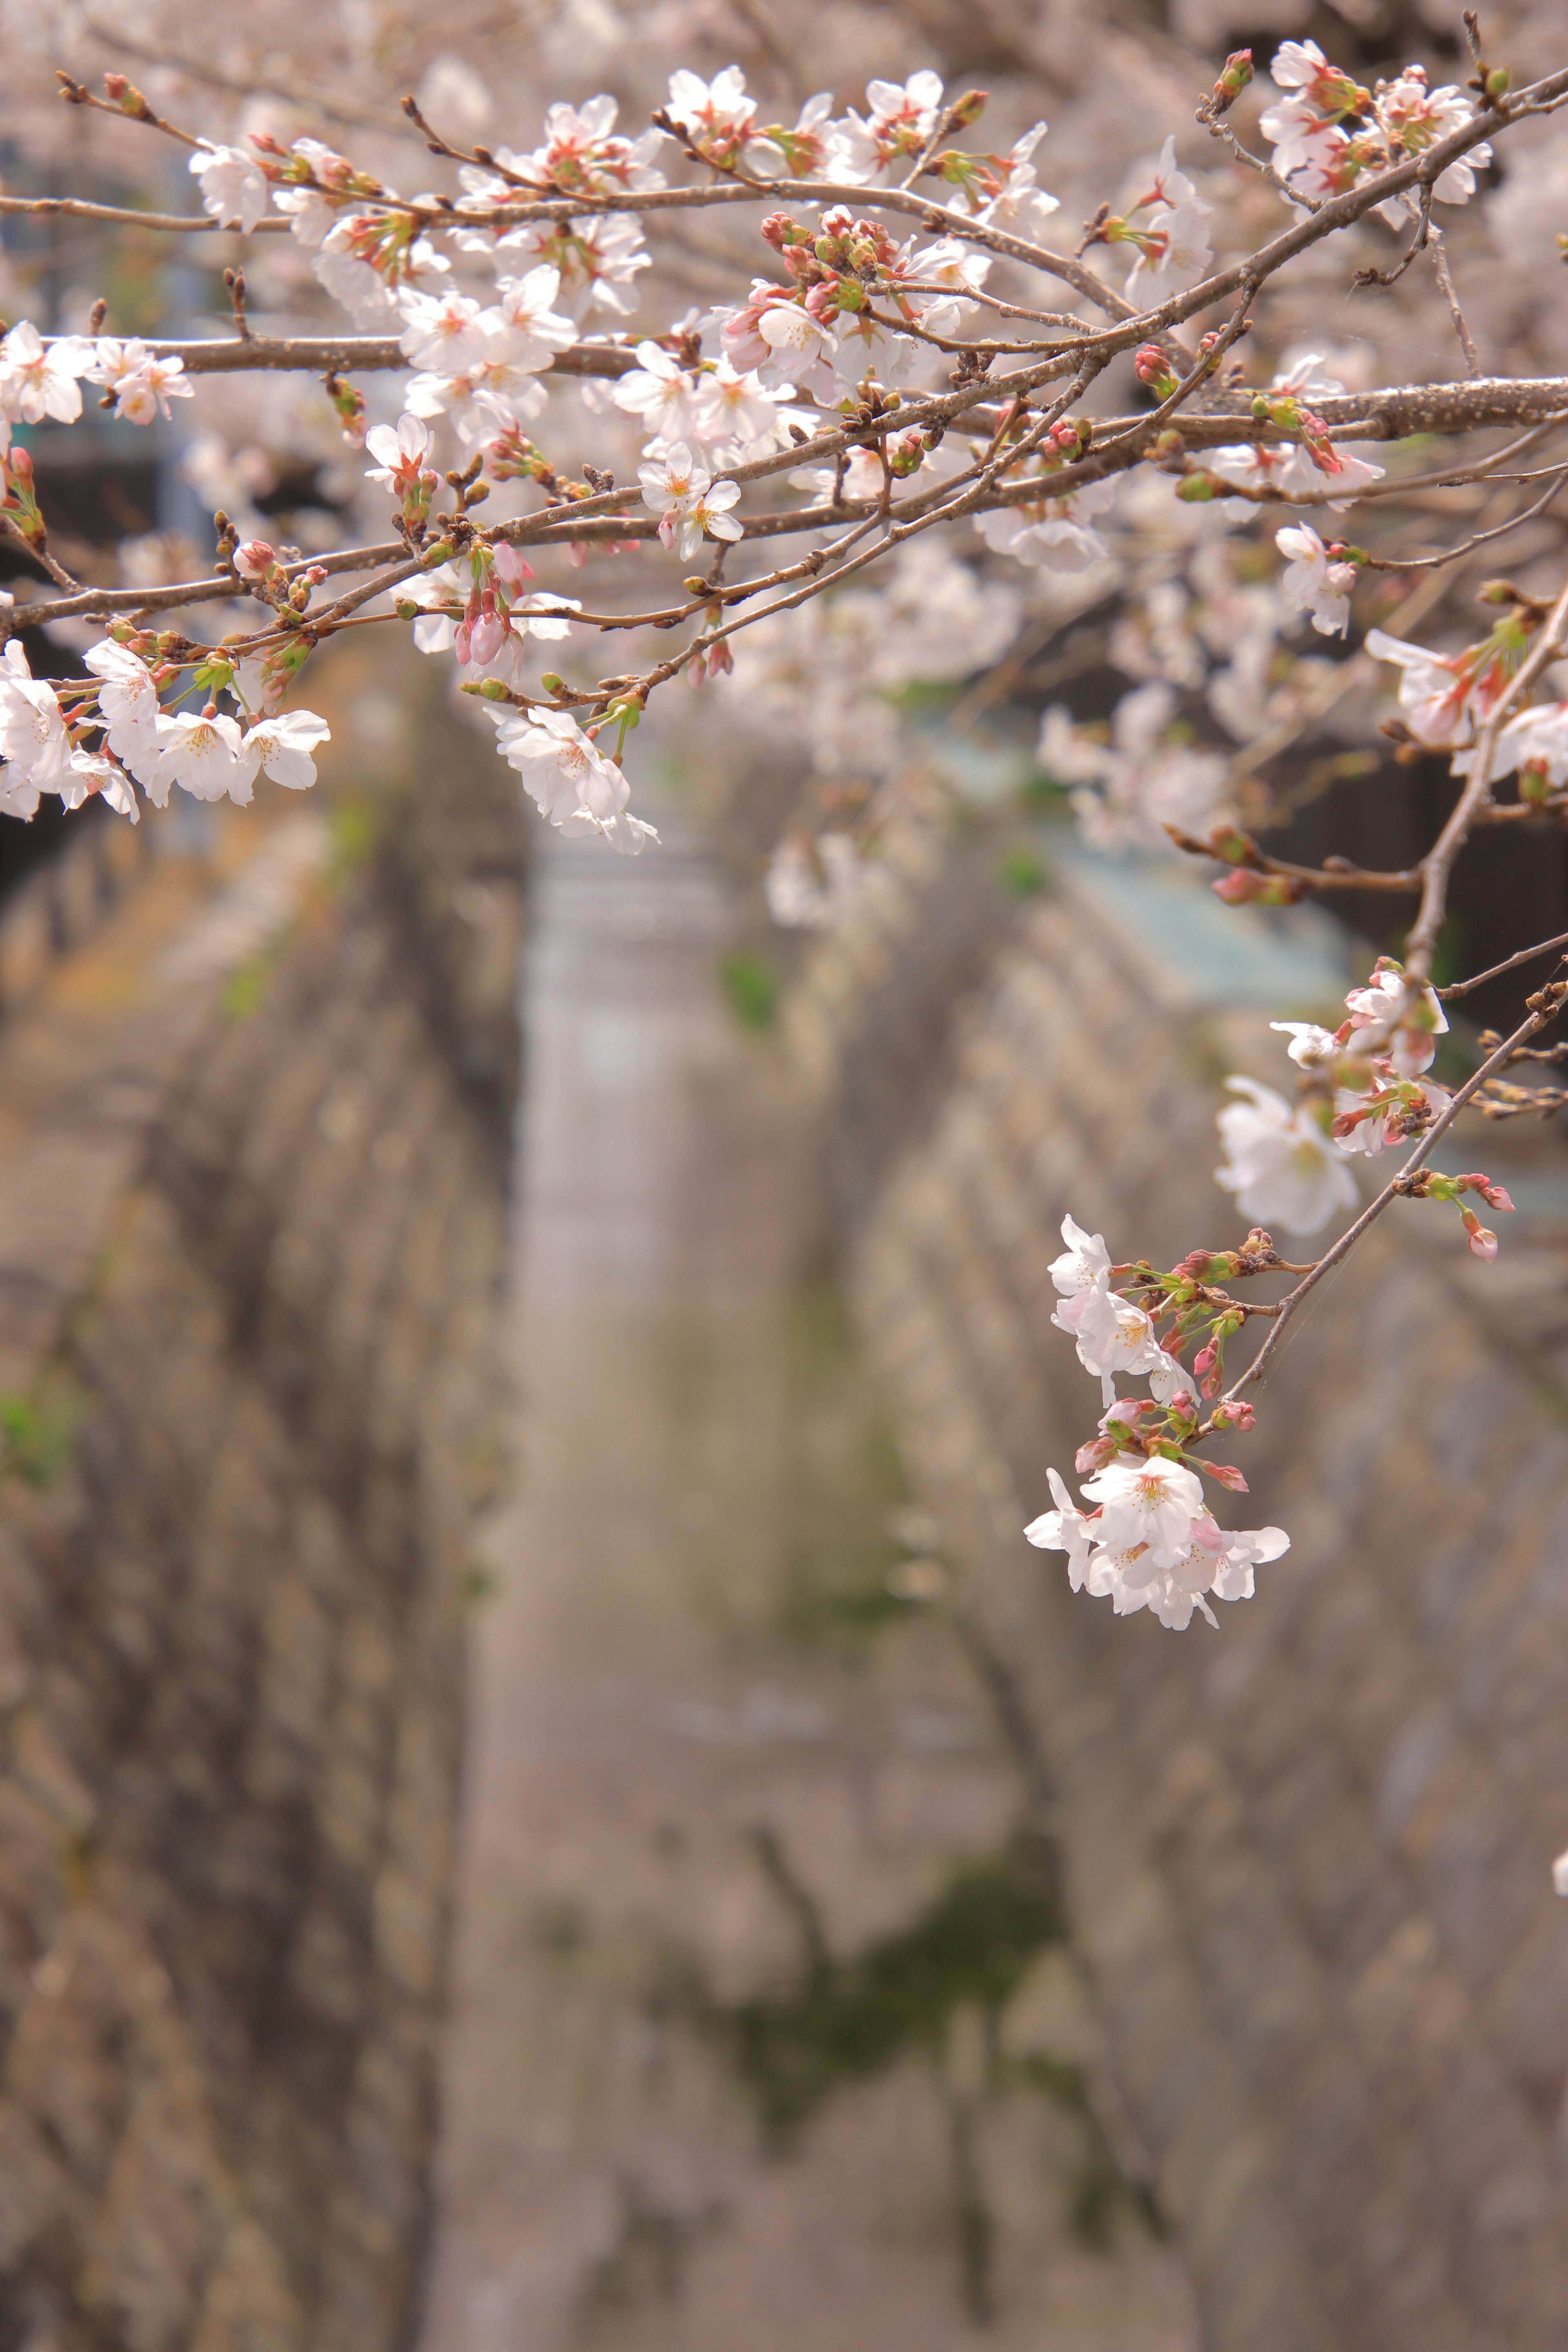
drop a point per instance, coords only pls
(766, 2028)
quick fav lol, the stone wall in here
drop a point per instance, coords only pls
(1306, 1856)
(250, 1230)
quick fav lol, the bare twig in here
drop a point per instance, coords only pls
(1440, 262)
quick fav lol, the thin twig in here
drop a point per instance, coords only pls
(1440, 262)
(1391, 1192)
(1525, 955)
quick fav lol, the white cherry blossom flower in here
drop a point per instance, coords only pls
(569, 779)
(1067, 1529)
(1115, 1336)
(687, 500)
(1313, 582)
(1147, 1500)
(900, 118)
(235, 188)
(1405, 1016)
(660, 391)
(1379, 1126)
(400, 450)
(1537, 735)
(442, 332)
(39, 379)
(1282, 1168)
(205, 756)
(534, 330)
(282, 748)
(797, 350)
(95, 772)
(1083, 1261)
(127, 701)
(1311, 1046)
(718, 109)
(596, 258)
(734, 416)
(34, 743)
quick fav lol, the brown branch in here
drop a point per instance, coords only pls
(1525, 955)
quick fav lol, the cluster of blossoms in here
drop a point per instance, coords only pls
(45, 731)
(1364, 1086)
(1150, 1542)
(1327, 133)
(39, 379)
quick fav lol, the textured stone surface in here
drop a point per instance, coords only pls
(1307, 1857)
(249, 1235)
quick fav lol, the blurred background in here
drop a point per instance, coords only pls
(543, 1801)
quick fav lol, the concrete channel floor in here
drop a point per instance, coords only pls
(761, 2033)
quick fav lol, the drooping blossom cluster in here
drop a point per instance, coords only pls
(1150, 1541)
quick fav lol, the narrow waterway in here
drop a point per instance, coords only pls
(764, 2034)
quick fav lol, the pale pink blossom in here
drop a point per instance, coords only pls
(203, 756)
(1281, 1166)
(39, 379)
(282, 748)
(235, 188)
(127, 701)
(1314, 581)
(34, 743)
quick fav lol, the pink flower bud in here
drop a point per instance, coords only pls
(1225, 1475)
(254, 559)
(720, 662)
(1483, 1244)
(460, 646)
(486, 638)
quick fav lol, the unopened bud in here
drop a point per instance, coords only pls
(967, 109)
(550, 683)
(1499, 82)
(1235, 75)
(1534, 783)
(1196, 489)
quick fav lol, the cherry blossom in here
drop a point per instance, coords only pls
(127, 702)
(39, 379)
(660, 391)
(1281, 1166)
(34, 743)
(95, 772)
(901, 119)
(1067, 1529)
(235, 189)
(687, 500)
(734, 416)
(400, 452)
(1083, 1261)
(282, 748)
(1149, 1501)
(1404, 1017)
(1315, 583)
(569, 779)
(444, 332)
(202, 755)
